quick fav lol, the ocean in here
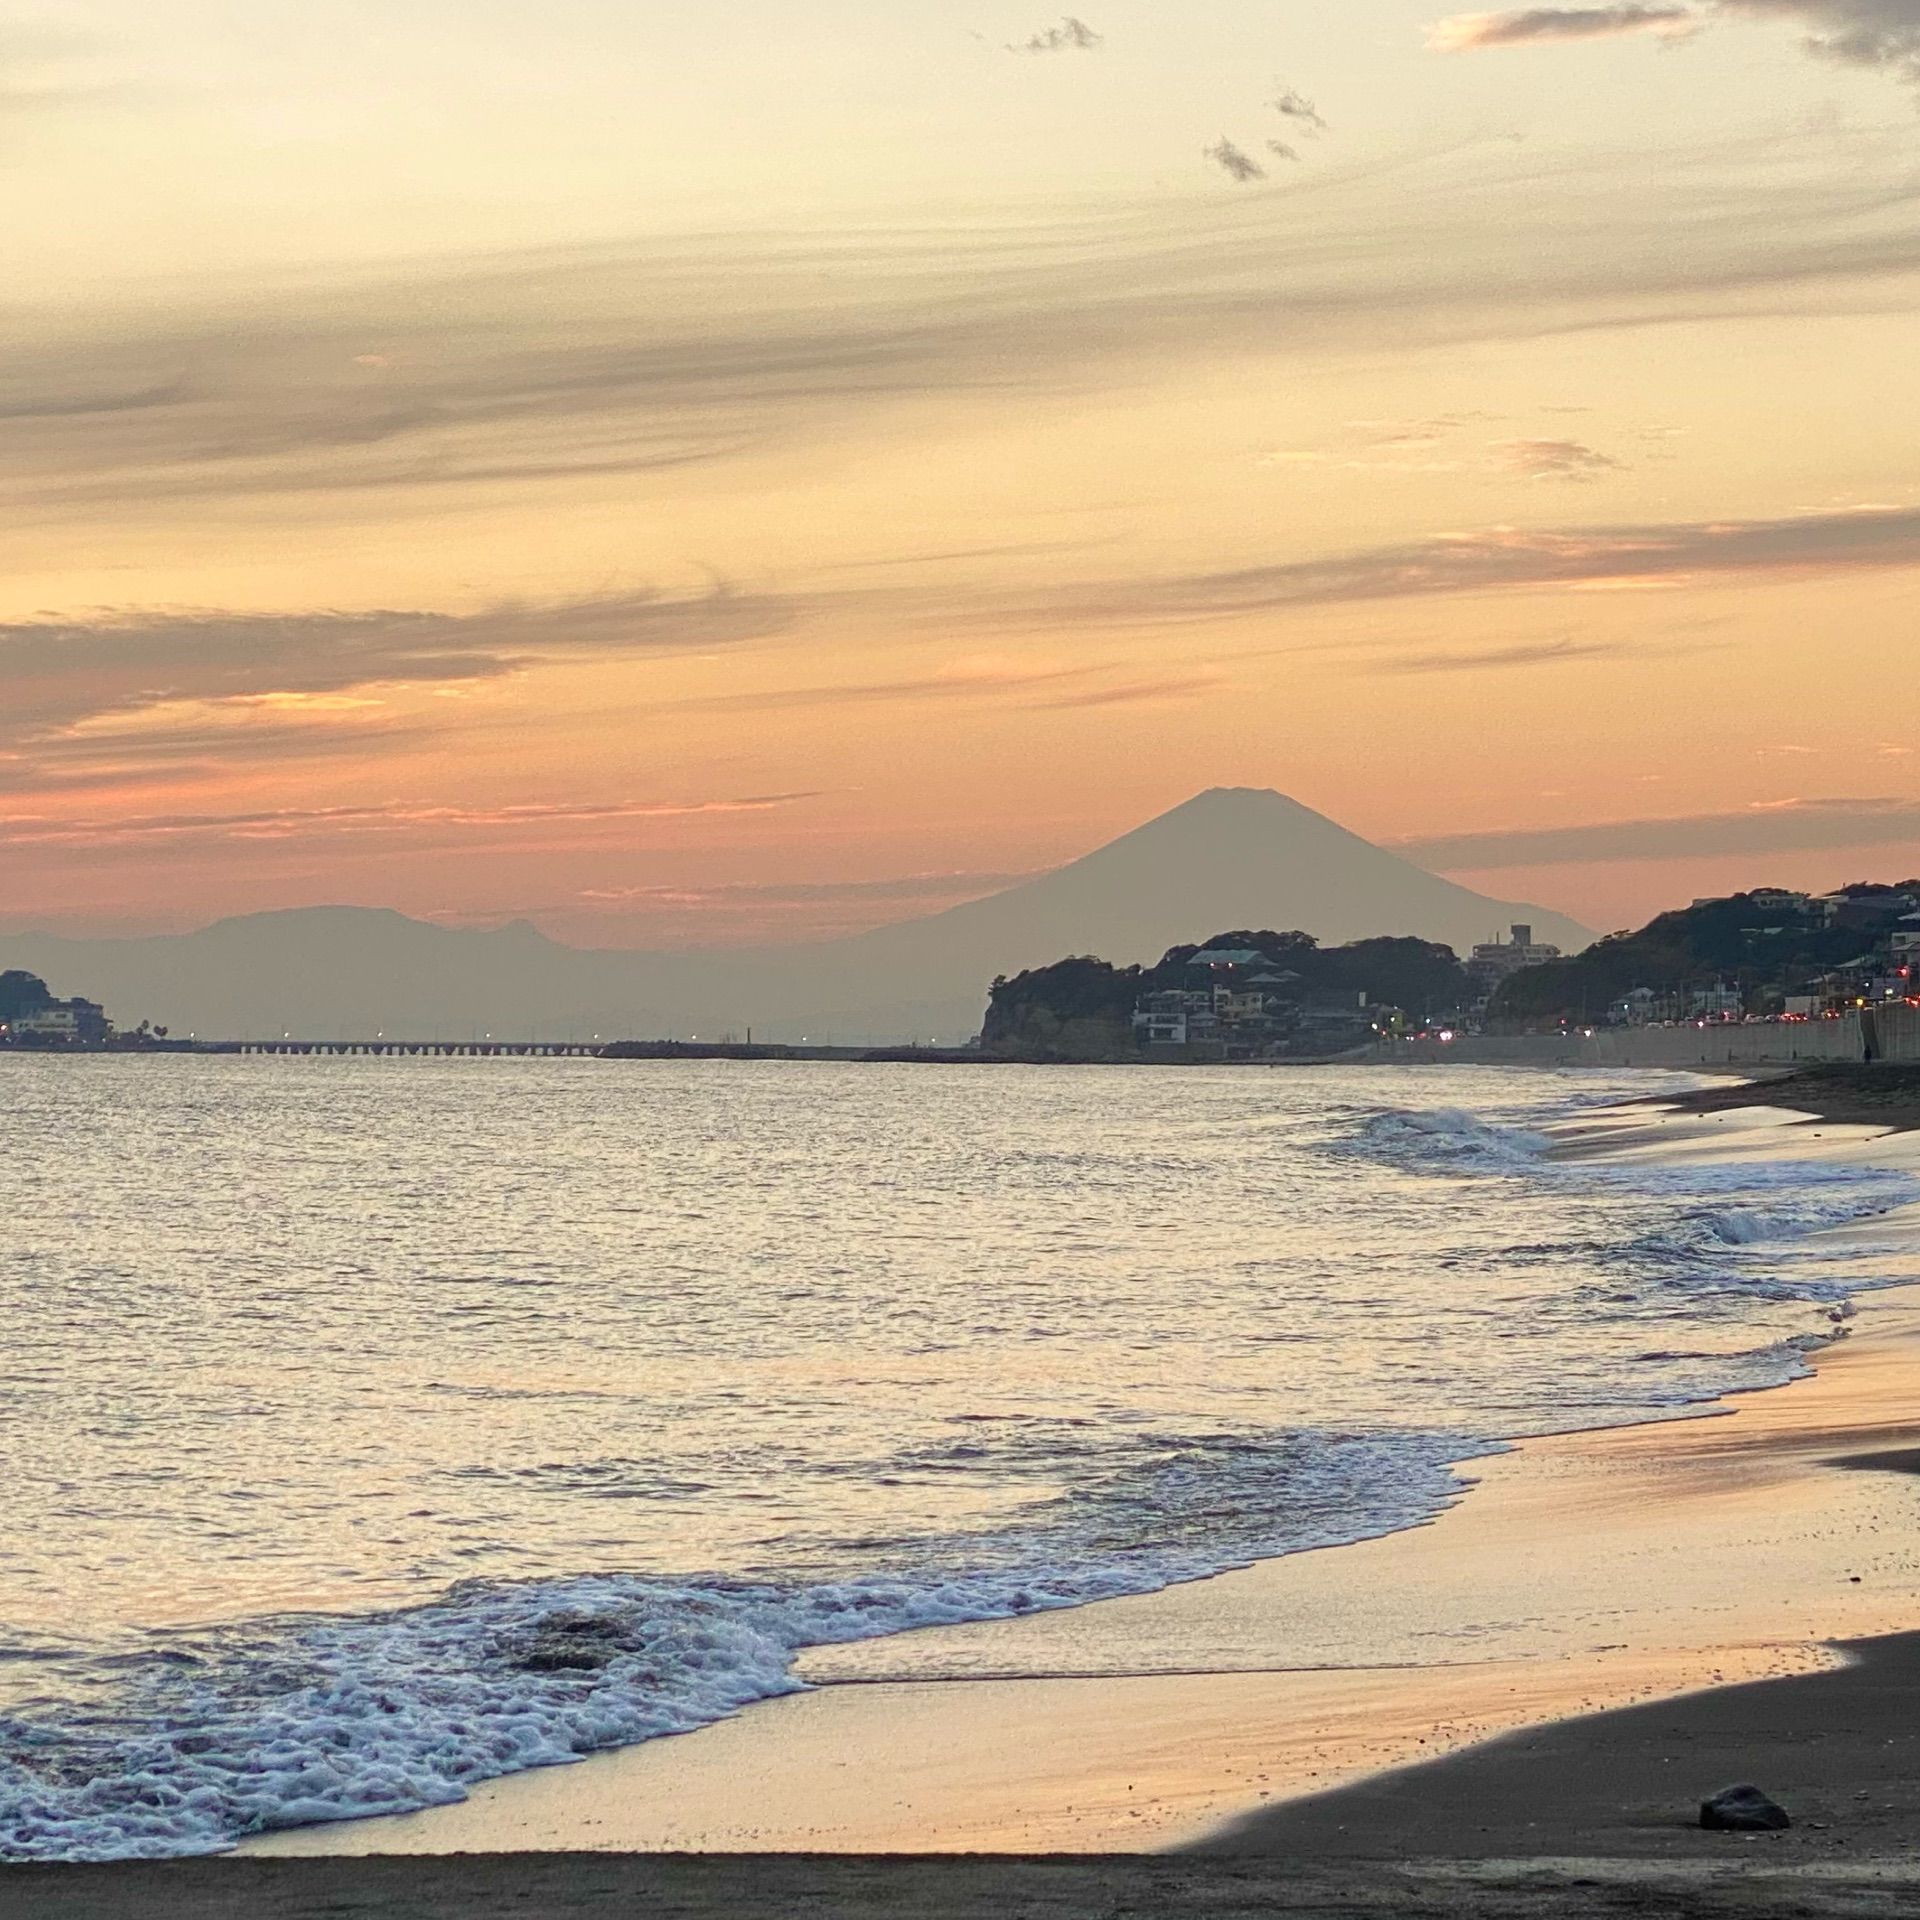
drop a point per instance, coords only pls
(375, 1427)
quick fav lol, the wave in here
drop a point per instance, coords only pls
(308, 1720)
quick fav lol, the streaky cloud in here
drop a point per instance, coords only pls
(1495, 560)
(577, 363)
(327, 823)
(753, 894)
(1544, 653)
(1799, 826)
(1555, 459)
(1883, 34)
(63, 670)
(1524, 26)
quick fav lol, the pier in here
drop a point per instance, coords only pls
(432, 1049)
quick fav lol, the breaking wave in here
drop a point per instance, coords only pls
(303, 1721)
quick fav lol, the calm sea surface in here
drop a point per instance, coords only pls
(374, 1426)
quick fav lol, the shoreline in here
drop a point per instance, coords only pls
(1885, 1094)
(1152, 1723)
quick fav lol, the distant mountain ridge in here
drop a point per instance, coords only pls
(1228, 857)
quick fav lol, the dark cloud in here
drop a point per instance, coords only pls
(1867, 33)
(1498, 560)
(1798, 826)
(1295, 106)
(61, 671)
(1281, 151)
(1069, 36)
(1234, 163)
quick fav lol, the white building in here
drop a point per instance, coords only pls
(1499, 959)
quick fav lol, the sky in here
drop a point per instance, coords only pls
(726, 473)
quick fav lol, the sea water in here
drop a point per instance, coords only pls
(373, 1427)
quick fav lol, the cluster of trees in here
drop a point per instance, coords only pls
(22, 993)
(1750, 947)
(1083, 1007)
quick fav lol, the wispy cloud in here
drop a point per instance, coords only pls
(1141, 693)
(1234, 162)
(176, 752)
(1867, 33)
(1010, 683)
(1797, 826)
(43, 67)
(60, 671)
(992, 680)
(1291, 104)
(1523, 26)
(755, 895)
(1444, 445)
(1555, 459)
(332, 823)
(1497, 560)
(551, 367)
(1538, 653)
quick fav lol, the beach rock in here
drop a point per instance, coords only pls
(1743, 1810)
(564, 1655)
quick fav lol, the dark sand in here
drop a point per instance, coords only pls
(564, 1886)
(1840, 1751)
(1882, 1095)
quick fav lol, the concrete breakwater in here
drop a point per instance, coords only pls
(1875, 1033)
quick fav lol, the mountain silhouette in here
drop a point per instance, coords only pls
(1232, 857)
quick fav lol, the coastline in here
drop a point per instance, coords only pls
(1711, 1551)
(1886, 1094)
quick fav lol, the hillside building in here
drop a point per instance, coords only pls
(1498, 960)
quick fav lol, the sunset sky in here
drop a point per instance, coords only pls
(716, 473)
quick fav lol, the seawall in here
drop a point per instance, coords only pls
(1880, 1033)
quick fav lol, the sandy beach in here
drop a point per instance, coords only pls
(1517, 1704)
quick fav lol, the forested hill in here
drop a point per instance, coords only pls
(1756, 942)
(22, 993)
(1083, 1007)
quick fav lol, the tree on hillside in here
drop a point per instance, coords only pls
(22, 993)
(1732, 941)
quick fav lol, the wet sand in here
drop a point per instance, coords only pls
(726, 1887)
(1883, 1095)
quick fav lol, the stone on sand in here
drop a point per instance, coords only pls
(1743, 1810)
